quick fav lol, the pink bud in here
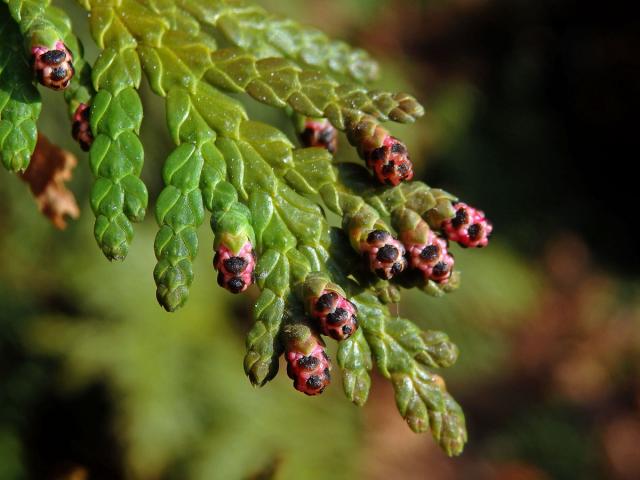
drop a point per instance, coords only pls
(235, 271)
(432, 258)
(335, 314)
(390, 162)
(53, 67)
(468, 227)
(310, 373)
(386, 255)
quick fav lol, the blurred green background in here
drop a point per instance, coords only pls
(531, 115)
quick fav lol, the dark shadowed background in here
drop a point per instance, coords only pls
(532, 115)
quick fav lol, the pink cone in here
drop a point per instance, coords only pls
(432, 258)
(235, 271)
(468, 227)
(53, 67)
(390, 162)
(310, 373)
(386, 255)
(336, 315)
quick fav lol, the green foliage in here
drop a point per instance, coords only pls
(281, 83)
(268, 36)
(40, 23)
(118, 196)
(19, 99)
(259, 187)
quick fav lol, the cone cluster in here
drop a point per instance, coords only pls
(266, 197)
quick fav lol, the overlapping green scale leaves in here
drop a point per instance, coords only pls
(118, 196)
(20, 103)
(253, 29)
(281, 83)
(39, 22)
(257, 185)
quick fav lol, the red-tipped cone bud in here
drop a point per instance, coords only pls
(386, 254)
(432, 258)
(468, 227)
(390, 161)
(336, 315)
(80, 128)
(53, 68)
(319, 133)
(308, 365)
(235, 271)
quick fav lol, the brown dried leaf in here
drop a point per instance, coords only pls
(49, 169)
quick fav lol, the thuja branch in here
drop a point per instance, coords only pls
(266, 194)
(19, 99)
(266, 35)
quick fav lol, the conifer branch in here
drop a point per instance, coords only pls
(20, 103)
(317, 274)
(254, 30)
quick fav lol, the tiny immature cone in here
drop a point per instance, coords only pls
(427, 251)
(80, 128)
(318, 132)
(234, 239)
(326, 302)
(235, 270)
(307, 362)
(433, 259)
(384, 154)
(49, 169)
(468, 227)
(390, 161)
(53, 67)
(385, 254)
(335, 314)
(370, 237)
